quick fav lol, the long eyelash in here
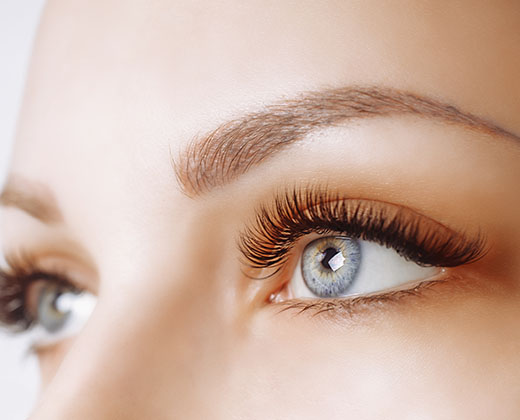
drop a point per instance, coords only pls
(268, 242)
(14, 281)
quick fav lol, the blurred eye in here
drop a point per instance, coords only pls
(59, 311)
(337, 266)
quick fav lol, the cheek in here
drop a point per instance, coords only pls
(435, 358)
(50, 358)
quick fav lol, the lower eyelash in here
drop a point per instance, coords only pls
(349, 307)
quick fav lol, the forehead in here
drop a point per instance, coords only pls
(184, 58)
(114, 85)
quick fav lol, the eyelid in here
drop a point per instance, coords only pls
(353, 306)
(65, 267)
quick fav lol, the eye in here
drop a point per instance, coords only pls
(57, 310)
(367, 249)
(339, 266)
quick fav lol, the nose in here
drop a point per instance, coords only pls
(150, 351)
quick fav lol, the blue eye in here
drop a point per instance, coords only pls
(330, 265)
(51, 314)
(339, 266)
(59, 311)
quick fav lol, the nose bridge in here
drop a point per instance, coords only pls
(141, 365)
(156, 349)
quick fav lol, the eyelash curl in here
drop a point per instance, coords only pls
(22, 271)
(268, 242)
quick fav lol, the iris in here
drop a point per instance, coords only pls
(57, 310)
(330, 264)
(52, 313)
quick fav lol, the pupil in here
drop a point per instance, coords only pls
(327, 256)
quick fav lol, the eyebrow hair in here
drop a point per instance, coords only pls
(32, 198)
(233, 148)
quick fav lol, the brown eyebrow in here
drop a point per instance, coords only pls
(233, 148)
(31, 197)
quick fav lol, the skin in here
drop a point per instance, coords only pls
(117, 88)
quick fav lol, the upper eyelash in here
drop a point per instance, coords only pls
(276, 228)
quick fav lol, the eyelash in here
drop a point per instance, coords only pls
(268, 242)
(353, 305)
(14, 282)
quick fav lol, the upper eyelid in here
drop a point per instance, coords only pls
(56, 254)
(60, 268)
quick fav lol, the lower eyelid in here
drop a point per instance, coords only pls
(352, 307)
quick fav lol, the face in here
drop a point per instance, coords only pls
(269, 210)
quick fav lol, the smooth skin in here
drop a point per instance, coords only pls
(118, 88)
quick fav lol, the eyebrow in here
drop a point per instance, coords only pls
(233, 148)
(33, 198)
